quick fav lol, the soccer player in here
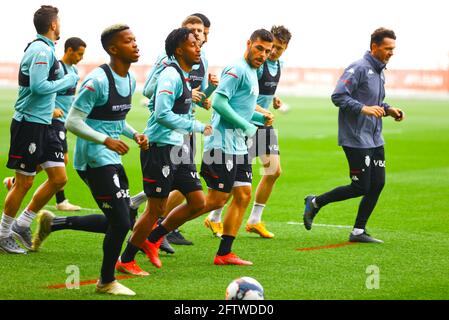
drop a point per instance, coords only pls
(164, 165)
(265, 144)
(98, 119)
(202, 88)
(33, 142)
(73, 53)
(225, 165)
(359, 95)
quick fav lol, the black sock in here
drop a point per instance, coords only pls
(157, 233)
(130, 253)
(60, 196)
(225, 245)
(97, 223)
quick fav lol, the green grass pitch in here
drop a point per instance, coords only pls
(411, 216)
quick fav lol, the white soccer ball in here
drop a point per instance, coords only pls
(284, 108)
(245, 288)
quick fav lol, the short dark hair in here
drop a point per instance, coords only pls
(281, 33)
(380, 34)
(108, 34)
(175, 39)
(192, 20)
(43, 18)
(205, 20)
(262, 34)
(74, 43)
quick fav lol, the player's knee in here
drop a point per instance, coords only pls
(58, 181)
(377, 187)
(24, 184)
(243, 198)
(361, 189)
(198, 205)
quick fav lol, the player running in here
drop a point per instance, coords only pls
(98, 119)
(165, 166)
(265, 144)
(33, 142)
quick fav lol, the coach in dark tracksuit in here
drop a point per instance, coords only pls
(359, 95)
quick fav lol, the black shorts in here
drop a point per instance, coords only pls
(264, 142)
(164, 171)
(222, 172)
(110, 189)
(61, 133)
(33, 144)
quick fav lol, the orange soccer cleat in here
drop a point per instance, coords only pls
(231, 259)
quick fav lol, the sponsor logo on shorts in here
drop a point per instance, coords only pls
(354, 178)
(106, 205)
(273, 147)
(22, 166)
(61, 135)
(367, 161)
(32, 148)
(122, 194)
(220, 186)
(249, 175)
(379, 163)
(59, 155)
(165, 171)
(194, 175)
(158, 189)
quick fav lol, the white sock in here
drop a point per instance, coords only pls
(26, 218)
(215, 215)
(357, 232)
(5, 226)
(256, 213)
(137, 200)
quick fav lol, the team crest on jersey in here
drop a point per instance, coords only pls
(116, 180)
(32, 148)
(367, 161)
(61, 135)
(166, 171)
(229, 165)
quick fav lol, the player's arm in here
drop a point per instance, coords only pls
(151, 81)
(38, 72)
(221, 105)
(169, 84)
(131, 133)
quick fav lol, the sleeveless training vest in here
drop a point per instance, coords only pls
(116, 107)
(24, 80)
(269, 83)
(70, 91)
(183, 104)
(196, 76)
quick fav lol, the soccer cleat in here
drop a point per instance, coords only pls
(67, 206)
(22, 234)
(8, 182)
(130, 268)
(216, 227)
(44, 220)
(260, 229)
(9, 245)
(114, 288)
(363, 238)
(152, 252)
(175, 237)
(231, 259)
(166, 247)
(309, 212)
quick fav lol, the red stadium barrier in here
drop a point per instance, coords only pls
(413, 80)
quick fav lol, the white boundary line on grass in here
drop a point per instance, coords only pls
(322, 225)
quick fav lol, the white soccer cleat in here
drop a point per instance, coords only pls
(114, 288)
(67, 206)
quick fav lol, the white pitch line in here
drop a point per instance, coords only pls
(322, 225)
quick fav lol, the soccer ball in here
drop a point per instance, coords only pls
(245, 288)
